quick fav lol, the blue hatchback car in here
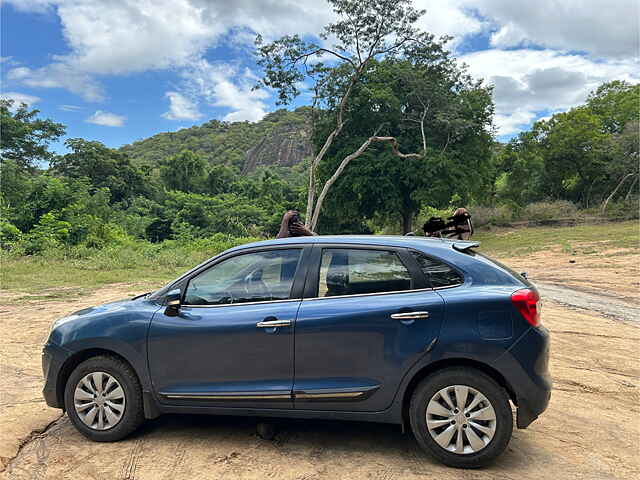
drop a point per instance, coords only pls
(425, 333)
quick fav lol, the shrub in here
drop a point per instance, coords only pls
(550, 210)
(622, 210)
(498, 216)
(9, 235)
(49, 234)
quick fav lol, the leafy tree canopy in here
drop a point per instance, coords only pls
(25, 138)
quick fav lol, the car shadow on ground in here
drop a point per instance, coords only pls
(320, 440)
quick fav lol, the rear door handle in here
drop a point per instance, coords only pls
(273, 323)
(409, 315)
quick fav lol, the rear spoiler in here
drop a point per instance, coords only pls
(463, 246)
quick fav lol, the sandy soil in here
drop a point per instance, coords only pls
(590, 431)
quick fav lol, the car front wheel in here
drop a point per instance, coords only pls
(103, 399)
(462, 417)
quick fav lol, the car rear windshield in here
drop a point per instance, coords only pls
(500, 266)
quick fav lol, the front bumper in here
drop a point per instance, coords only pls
(525, 367)
(53, 358)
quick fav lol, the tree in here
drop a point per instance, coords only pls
(586, 155)
(220, 179)
(616, 103)
(103, 166)
(432, 106)
(25, 139)
(185, 171)
(364, 31)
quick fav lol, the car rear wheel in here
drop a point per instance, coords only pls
(462, 417)
(103, 399)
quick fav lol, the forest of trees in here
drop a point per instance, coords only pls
(95, 196)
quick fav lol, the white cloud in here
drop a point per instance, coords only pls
(19, 98)
(59, 75)
(181, 108)
(530, 81)
(513, 122)
(602, 28)
(121, 37)
(449, 17)
(223, 85)
(106, 119)
(69, 108)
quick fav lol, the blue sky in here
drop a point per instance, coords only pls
(124, 70)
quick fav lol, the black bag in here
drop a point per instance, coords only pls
(433, 225)
(454, 227)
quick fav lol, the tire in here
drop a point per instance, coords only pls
(118, 412)
(479, 424)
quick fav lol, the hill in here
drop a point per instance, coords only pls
(281, 138)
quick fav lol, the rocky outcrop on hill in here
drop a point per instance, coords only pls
(286, 146)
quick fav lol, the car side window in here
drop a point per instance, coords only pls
(358, 271)
(250, 277)
(438, 273)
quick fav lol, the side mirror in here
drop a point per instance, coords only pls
(172, 301)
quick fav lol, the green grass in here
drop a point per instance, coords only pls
(144, 266)
(586, 239)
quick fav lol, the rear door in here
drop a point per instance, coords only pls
(367, 316)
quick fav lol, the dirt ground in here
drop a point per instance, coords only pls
(590, 431)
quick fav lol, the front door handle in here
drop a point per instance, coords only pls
(409, 315)
(273, 323)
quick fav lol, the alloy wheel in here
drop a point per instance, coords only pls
(461, 419)
(99, 401)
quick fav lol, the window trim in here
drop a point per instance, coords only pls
(296, 287)
(239, 304)
(427, 278)
(395, 292)
(313, 271)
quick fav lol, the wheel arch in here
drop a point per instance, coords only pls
(76, 359)
(431, 368)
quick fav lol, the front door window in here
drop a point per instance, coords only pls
(252, 277)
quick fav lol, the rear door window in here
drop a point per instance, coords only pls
(345, 271)
(438, 273)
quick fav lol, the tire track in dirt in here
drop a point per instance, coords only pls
(131, 464)
(608, 305)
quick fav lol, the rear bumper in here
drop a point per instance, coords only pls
(53, 358)
(525, 367)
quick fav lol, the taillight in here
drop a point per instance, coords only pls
(526, 302)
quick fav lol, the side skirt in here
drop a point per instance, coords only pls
(386, 416)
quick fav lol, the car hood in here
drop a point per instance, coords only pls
(104, 308)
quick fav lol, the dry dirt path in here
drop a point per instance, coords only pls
(607, 305)
(590, 430)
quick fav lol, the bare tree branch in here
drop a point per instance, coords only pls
(615, 190)
(633, 184)
(447, 143)
(311, 208)
(394, 147)
(306, 55)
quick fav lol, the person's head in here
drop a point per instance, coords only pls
(460, 212)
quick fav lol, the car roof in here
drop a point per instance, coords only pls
(419, 243)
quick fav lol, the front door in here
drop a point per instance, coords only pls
(371, 317)
(231, 344)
